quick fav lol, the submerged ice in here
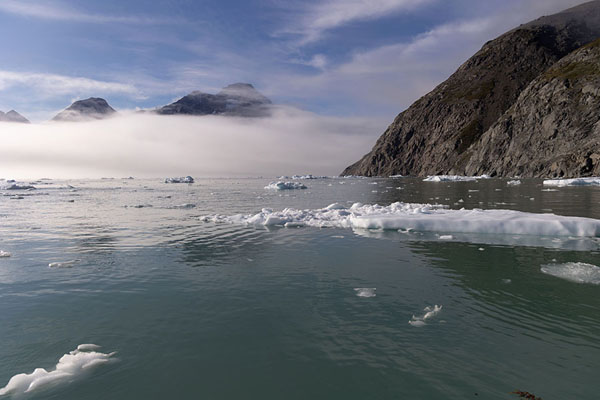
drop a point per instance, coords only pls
(577, 272)
(70, 366)
(422, 218)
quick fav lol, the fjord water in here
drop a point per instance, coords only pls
(222, 311)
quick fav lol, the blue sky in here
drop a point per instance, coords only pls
(332, 57)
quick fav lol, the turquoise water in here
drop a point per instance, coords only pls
(222, 311)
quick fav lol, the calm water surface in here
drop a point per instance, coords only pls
(201, 310)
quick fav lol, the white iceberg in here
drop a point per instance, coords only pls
(454, 178)
(430, 312)
(573, 182)
(514, 183)
(4, 254)
(183, 179)
(281, 185)
(577, 272)
(70, 366)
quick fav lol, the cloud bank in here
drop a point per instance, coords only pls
(144, 145)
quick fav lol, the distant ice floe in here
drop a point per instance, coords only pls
(183, 179)
(303, 177)
(396, 176)
(430, 312)
(572, 182)
(281, 185)
(16, 186)
(183, 206)
(577, 272)
(4, 254)
(365, 292)
(421, 218)
(70, 366)
(454, 178)
(514, 183)
(63, 264)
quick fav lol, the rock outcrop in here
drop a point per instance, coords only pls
(85, 110)
(446, 131)
(13, 116)
(238, 99)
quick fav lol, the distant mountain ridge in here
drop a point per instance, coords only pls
(454, 128)
(84, 110)
(13, 116)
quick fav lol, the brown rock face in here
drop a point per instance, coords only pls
(439, 132)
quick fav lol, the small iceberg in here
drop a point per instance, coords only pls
(183, 179)
(514, 183)
(454, 178)
(4, 254)
(573, 182)
(430, 312)
(281, 185)
(365, 292)
(70, 366)
(577, 272)
(16, 186)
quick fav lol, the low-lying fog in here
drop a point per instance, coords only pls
(146, 145)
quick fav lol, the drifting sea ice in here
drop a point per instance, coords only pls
(577, 272)
(15, 186)
(63, 264)
(572, 182)
(365, 292)
(284, 185)
(430, 312)
(513, 183)
(454, 178)
(4, 254)
(183, 179)
(421, 218)
(70, 366)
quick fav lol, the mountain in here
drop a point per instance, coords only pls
(13, 116)
(447, 130)
(238, 99)
(85, 110)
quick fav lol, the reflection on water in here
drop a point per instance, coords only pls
(191, 307)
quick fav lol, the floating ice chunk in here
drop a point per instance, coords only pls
(454, 178)
(4, 254)
(309, 176)
(184, 206)
(63, 264)
(15, 186)
(595, 181)
(506, 281)
(430, 312)
(423, 218)
(281, 185)
(513, 183)
(183, 179)
(70, 366)
(396, 176)
(574, 271)
(446, 237)
(365, 292)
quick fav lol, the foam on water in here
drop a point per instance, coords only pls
(594, 181)
(422, 218)
(454, 178)
(574, 271)
(70, 366)
(63, 264)
(284, 185)
(429, 312)
(365, 292)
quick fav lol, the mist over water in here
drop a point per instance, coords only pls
(145, 145)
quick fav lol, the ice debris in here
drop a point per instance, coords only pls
(365, 292)
(70, 366)
(573, 182)
(63, 264)
(513, 183)
(430, 312)
(454, 178)
(281, 185)
(577, 272)
(183, 179)
(4, 254)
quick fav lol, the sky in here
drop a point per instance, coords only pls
(343, 58)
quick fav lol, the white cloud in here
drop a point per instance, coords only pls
(53, 84)
(318, 18)
(55, 11)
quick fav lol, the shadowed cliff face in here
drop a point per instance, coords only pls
(435, 134)
(238, 99)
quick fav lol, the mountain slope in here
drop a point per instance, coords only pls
(13, 116)
(434, 134)
(84, 110)
(238, 99)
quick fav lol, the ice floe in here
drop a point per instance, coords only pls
(70, 366)
(513, 183)
(429, 312)
(306, 177)
(454, 178)
(281, 185)
(183, 179)
(63, 264)
(16, 186)
(4, 254)
(573, 182)
(365, 292)
(574, 271)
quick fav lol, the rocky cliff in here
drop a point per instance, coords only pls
(238, 99)
(13, 116)
(446, 130)
(85, 110)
